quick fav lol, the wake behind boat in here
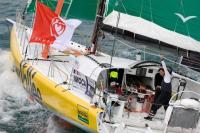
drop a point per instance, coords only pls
(95, 91)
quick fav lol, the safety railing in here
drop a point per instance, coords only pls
(125, 49)
(22, 32)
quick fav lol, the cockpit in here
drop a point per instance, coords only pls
(130, 85)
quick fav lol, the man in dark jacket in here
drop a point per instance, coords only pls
(157, 82)
(165, 94)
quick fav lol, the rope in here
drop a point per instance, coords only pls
(45, 60)
(152, 51)
(70, 4)
(106, 8)
(92, 59)
(184, 14)
(124, 7)
(113, 46)
(177, 19)
(141, 8)
(151, 11)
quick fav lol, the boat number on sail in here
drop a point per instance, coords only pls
(83, 114)
(27, 80)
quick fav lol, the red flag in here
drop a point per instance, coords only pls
(47, 26)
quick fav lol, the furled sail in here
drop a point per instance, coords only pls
(174, 22)
(81, 9)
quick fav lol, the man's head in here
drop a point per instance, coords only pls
(161, 72)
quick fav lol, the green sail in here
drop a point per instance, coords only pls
(81, 9)
(162, 12)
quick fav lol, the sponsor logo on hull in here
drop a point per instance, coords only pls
(27, 80)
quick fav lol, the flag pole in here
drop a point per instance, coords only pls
(59, 6)
(58, 10)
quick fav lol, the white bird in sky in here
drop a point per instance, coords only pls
(184, 19)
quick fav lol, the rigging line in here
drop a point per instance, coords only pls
(151, 10)
(65, 66)
(188, 32)
(150, 53)
(33, 16)
(46, 60)
(113, 46)
(141, 8)
(117, 49)
(55, 65)
(106, 8)
(141, 49)
(124, 7)
(70, 4)
(177, 18)
(24, 12)
(137, 48)
(93, 71)
(51, 67)
(34, 53)
(92, 59)
(59, 71)
(64, 62)
(49, 3)
(32, 20)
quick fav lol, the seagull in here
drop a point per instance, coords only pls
(184, 19)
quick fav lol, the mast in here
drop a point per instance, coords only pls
(98, 24)
(59, 6)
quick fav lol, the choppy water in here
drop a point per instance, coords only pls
(17, 113)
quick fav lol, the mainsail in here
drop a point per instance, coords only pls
(81, 9)
(174, 22)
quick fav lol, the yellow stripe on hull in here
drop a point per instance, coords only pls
(56, 99)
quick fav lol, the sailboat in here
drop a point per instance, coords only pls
(96, 88)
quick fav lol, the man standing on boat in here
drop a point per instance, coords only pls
(165, 94)
(157, 84)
